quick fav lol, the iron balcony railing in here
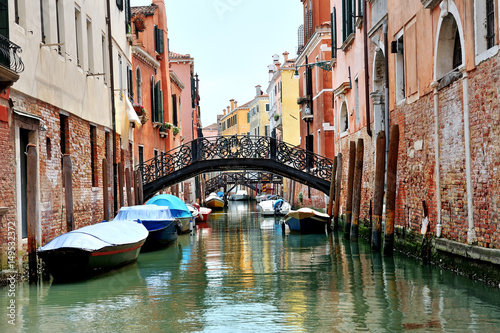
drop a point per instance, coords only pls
(9, 55)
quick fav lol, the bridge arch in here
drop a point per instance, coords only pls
(235, 153)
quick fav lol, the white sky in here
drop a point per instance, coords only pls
(232, 42)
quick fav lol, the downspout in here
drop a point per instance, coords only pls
(386, 102)
(113, 110)
(367, 85)
(439, 226)
(471, 233)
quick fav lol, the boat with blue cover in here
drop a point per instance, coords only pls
(163, 227)
(177, 207)
(93, 249)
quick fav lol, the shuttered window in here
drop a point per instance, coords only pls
(347, 18)
(158, 40)
(130, 84)
(334, 32)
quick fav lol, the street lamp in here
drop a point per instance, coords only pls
(325, 65)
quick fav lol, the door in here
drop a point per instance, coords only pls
(23, 143)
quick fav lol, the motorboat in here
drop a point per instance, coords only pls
(203, 213)
(214, 201)
(93, 249)
(162, 226)
(307, 221)
(241, 195)
(177, 207)
(194, 211)
(274, 207)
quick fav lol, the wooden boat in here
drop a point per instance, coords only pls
(274, 207)
(214, 201)
(162, 226)
(93, 249)
(177, 207)
(307, 221)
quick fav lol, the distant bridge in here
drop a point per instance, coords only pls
(248, 179)
(223, 153)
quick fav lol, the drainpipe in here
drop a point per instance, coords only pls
(113, 111)
(471, 233)
(439, 226)
(367, 85)
(386, 102)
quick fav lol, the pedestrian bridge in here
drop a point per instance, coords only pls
(224, 153)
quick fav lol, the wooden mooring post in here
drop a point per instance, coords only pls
(390, 205)
(337, 193)
(140, 191)
(378, 193)
(68, 191)
(31, 210)
(350, 182)
(129, 185)
(105, 193)
(356, 195)
(331, 198)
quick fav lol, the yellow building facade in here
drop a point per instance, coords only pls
(235, 120)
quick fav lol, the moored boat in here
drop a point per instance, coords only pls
(93, 249)
(307, 221)
(203, 213)
(214, 201)
(274, 207)
(177, 207)
(241, 195)
(162, 226)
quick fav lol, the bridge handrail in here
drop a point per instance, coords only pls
(233, 147)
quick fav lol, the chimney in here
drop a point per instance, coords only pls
(285, 55)
(232, 104)
(235, 104)
(258, 92)
(228, 109)
(224, 111)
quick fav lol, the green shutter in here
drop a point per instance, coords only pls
(160, 41)
(333, 25)
(344, 25)
(162, 118)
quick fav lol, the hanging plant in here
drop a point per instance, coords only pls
(176, 130)
(139, 109)
(140, 22)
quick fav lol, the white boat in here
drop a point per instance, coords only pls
(261, 197)
(214, 201)
(307, 221)
(241, 195)
(274, 207)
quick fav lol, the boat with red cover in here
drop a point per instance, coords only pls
(93, 249)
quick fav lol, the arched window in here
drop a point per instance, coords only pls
(449, 48)
(344, 118)
(138, 84)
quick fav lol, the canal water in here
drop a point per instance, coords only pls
(240, 273)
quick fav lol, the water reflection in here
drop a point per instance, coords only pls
(239, 272)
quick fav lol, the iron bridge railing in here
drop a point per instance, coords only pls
(235, 147)
(9, 55)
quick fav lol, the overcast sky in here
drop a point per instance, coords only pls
(232, 42)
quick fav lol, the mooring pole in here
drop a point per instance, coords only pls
(337, 193)
(140, 190)
(31, 210)
(350, 182)
(332, 188)
(378, 193)
(390, 208)
(105, 195)
(356, 195)
(68, 191)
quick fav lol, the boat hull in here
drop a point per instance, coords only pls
(203, 215)
(215, 203)
(307, 222)
(162, 236)
(74, 263)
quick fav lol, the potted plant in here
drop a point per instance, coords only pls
(144, 119)
(168, 126)
(140, 22)
(139, 109)
(276, 117)
(176, 130)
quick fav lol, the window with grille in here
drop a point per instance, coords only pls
(490, 23)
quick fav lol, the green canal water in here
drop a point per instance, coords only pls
(239, 273)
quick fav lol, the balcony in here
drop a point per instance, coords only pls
(10, 63)
(306, 114)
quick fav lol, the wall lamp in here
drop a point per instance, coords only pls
(325, 65)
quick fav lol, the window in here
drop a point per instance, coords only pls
(130, 84)
(107, 138)
(141, 154)
(45, 21)
(449, 48)
(397, 47)
(457, 51)
(174, 110)
(93, 155)
(90, 46)
(347, 18)
(485, 26)
(158, 39)
(119, 4)
(248, 117)
(344, 118)
(78, 35)
(138, 83)
(267, 107)
(59, 24)
(490, 23)
(63, 131)
(266, 130)
(152, 95)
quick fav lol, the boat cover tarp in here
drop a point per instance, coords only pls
(144, 213)
(97, 236)
(177, 207)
